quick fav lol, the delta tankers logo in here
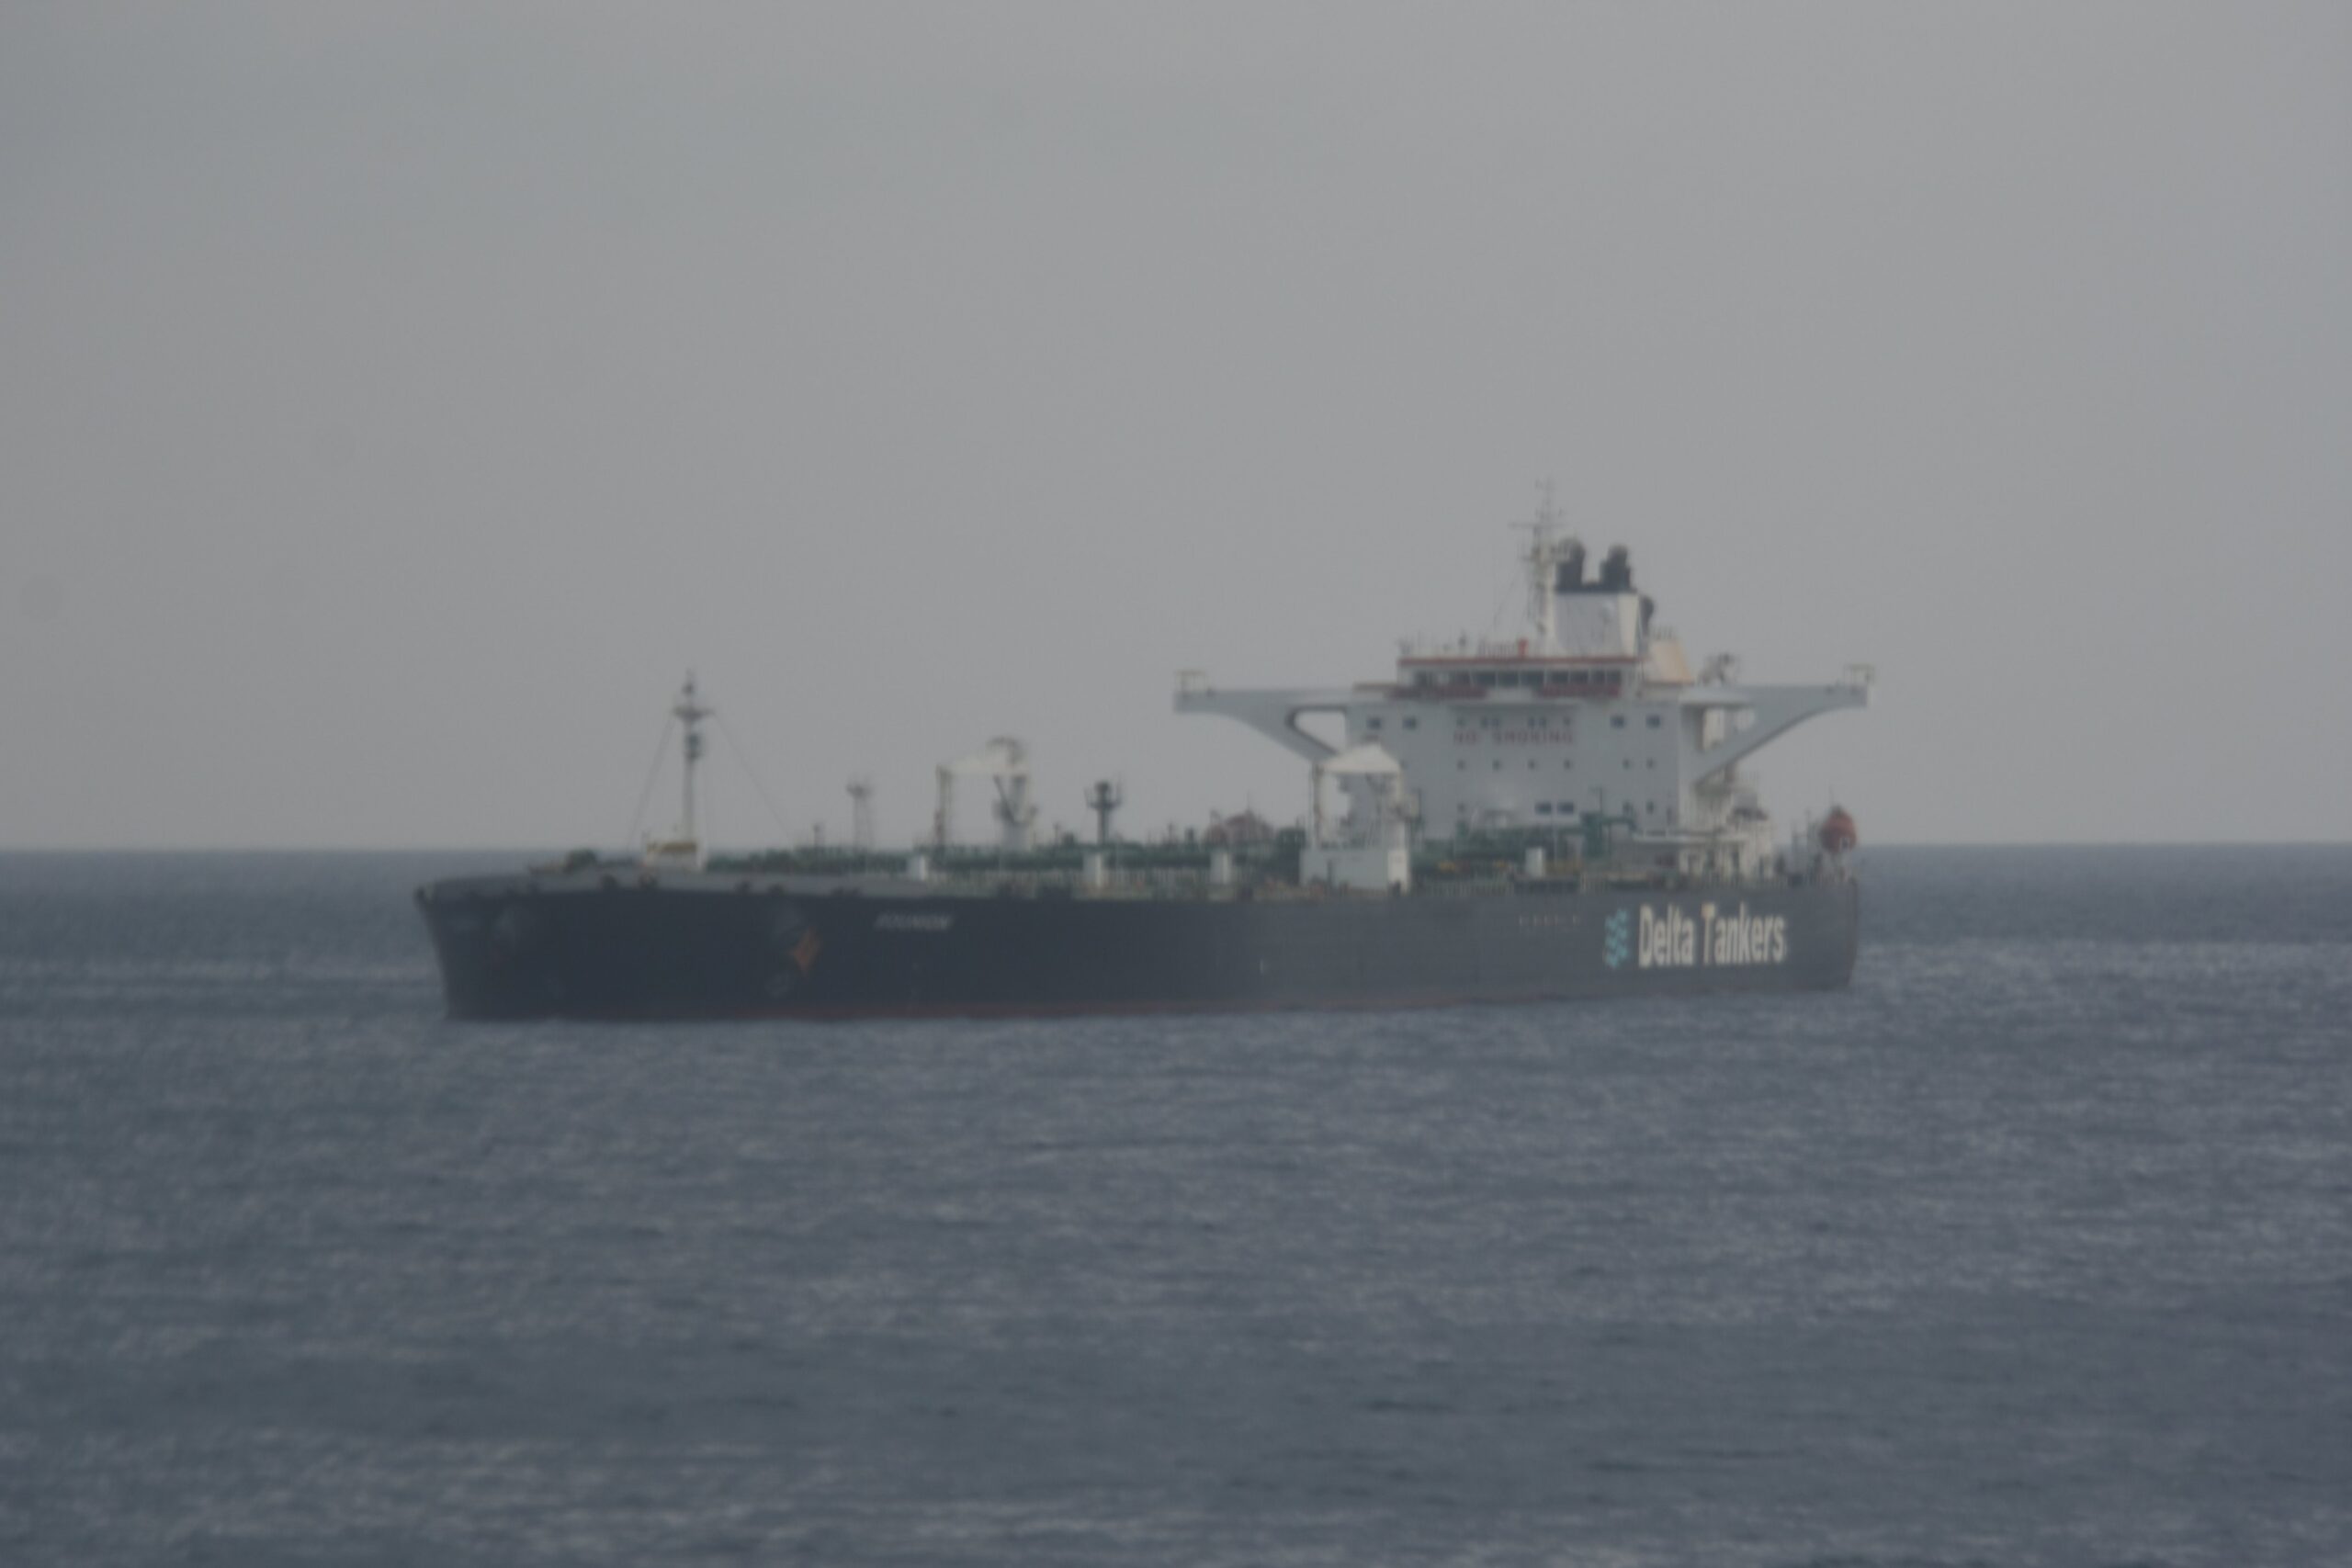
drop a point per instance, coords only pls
(1713, 938)
(1617, 938)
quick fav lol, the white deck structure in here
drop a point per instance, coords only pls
(1595, 711)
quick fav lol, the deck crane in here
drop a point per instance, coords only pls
(1005, 760)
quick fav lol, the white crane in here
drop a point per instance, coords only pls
(1006, 760)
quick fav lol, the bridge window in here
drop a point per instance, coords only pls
(1375, 724)
(1412, 724)
(1616, 721)
(1656, 721)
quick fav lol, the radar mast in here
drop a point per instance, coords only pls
(1547, 545)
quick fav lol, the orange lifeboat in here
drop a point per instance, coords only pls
(1837, 834)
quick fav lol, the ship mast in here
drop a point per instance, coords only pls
(861, 813)
(1546, 548)
(689, 713)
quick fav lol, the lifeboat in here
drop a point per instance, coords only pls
(1837, 834)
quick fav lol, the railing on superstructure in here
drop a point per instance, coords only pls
(1164, 868)
(1544, 677)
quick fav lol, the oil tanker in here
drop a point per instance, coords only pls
(1559, 815)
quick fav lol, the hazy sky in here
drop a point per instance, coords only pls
(394, 401)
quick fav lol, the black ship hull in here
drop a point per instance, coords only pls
(587, 945)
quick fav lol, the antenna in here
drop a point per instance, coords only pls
(1103, 799)
(861, 813)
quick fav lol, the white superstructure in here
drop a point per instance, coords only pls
(1595, 712)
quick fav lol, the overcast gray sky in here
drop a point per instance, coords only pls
(394, 401)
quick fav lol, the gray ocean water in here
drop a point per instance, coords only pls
(2035, 1246)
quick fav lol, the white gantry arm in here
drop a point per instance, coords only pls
(1272, 714)
(1773, 711)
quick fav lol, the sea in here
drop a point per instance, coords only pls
(2034, 1246)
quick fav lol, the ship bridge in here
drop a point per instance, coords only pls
(1595, 711)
